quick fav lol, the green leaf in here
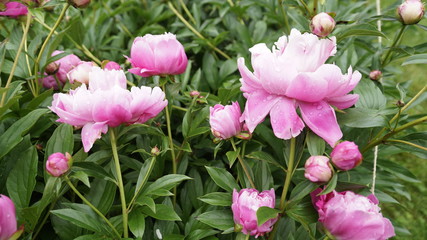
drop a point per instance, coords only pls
(264, 214)
(62, 140)
(302, 189)
(263, 156)
(232, 156)
(163, 212)
(222, 178)
(147, 201)
(92, 169)
(137, 223)
(210, 71)
(416, 59)
(370, 96)
(331, 185)
(14, 134)
(166, 182)
(201, 234)
(364, 118)
(80, 219)
(360, 30)
(22, 179)
(220, 219)
(102, 194)
(217, 199)
(315, 144)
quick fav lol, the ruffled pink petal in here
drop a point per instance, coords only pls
(308, 87)
(321, 119)
(250, 83)
(91, 132)
(347, 83)
(284, 119)
(143, 72)
(142, 54)
(343, 102)
(257, 107)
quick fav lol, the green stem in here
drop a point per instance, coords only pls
(119, 181)
(408, 143)
(18, 53)
(171, 145)
(241, 161)
(395, 42)
(305, 6)
(36, 63)
(314, 7)
(288, 174)
(45, 219)
(187, 11)
(247, 237)
(143, 182)
(91, 206)
(285, 18)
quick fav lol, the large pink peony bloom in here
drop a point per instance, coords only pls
(225, 120)
(14, 10)
(245, 205)
(7, 218)
(106, 103)
(157, 55)
(294, 75)
(350, 216)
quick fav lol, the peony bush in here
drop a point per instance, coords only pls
(211, 119)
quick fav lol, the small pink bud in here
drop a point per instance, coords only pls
(411, 12)
(346, 155)
(322, 24)
(225, 120)
(375, 75)
(194, 93)
(14, 9)
(317, 169)
(244, 207)
(57, 164)
(110, 65)
(52, 68)
(79, 3)
(8, 224)
(155, 151)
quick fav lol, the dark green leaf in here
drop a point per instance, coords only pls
(217, 199)
(223, 178)
(264, 214)
(220, 219)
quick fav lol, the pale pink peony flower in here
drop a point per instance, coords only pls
(225, 120)
(350, 216)
(80, 73)
(57, 164)
(322, 24)
(346, 155)
(112, 66)
(411, 12)
(7, 218)
(14, 10)
(294, 75)
(317, 169)
(157, 55)
(106, 103)
(245, 205)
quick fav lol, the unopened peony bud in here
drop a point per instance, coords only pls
(411, 11)
(225, 120)
(244, 135)
(400, 103)
(322, 24)
(13, 9)
(80, 73)
(244, 207)
(346, 155)
(317, 169)
(7, 218)
(110, 65)
(194, 93)
(52, 68)
(79, 3)
(57, 164)
(375, 75)
(157, 55)
(155, 151)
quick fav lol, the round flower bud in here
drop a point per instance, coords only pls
(346, 155)
(244, 207)
(155, 151)
(194, 93)
(52, 68)
(7, 217)
(411, 12)
(317, 169)
(80, 73)
(225, 120)
(322, 24)
(14, 9)
(375, 75)
(57, 164)
(110, 65)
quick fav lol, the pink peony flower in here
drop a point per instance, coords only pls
(14, 10)
(106, 103)
(294, 75)
(245, 205)
(350, 216)
(7, 218)
(225, 120)
(346, 155)
(411, 11)
(157, 55)
(317, 169)
(322, 24)
(80, 73)
(112, 66)
(57, 164)
(64, 65)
